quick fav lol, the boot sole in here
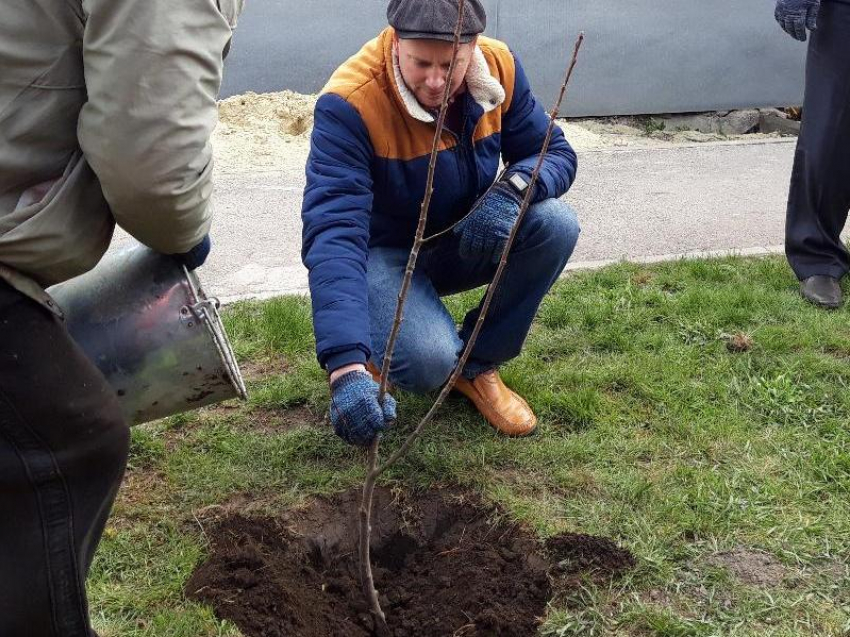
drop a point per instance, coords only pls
(822, 304)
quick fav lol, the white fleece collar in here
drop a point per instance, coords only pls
(484, 88)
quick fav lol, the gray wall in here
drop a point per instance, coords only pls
(639, 56)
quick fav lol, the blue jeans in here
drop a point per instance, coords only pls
(429, 343)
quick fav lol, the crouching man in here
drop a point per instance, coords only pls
(366, 174)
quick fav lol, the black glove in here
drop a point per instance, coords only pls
(795, 16)
(195, 257)
(356, 415)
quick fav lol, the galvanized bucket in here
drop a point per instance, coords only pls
(148, 326)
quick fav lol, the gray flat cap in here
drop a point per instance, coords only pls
(435, 19)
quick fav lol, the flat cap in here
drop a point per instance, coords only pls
(435, 19)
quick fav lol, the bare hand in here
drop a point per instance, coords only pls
(342, 371)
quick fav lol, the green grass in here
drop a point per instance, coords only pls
(652, 432)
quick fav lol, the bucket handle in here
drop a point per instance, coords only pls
(205, 310)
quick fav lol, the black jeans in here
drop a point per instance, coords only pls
(820, 184)
(63, 450)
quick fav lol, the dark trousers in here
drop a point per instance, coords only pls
(820, 184)
(63, 449)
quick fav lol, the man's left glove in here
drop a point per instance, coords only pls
(795, 16)
(485, 230)
(195, 257)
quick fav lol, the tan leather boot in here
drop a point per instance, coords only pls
(502, 408)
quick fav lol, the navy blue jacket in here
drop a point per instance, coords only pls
(368, 165)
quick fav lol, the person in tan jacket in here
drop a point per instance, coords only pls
(106, 113)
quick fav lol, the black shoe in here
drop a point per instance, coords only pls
(822, 290)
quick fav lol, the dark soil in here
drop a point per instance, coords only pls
(444, 565)
(586, 556)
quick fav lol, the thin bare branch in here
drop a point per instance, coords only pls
(367, 579)
(374, 470)
(491, 289)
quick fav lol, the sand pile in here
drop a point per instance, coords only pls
(263, 131)
(285, 113)
(271, 131)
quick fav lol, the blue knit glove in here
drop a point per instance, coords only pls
(795, 16)
(485, 230)
(355, 413)
(195, 257)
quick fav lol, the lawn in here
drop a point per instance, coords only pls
(696, 412)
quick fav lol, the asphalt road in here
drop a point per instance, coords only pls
(636, 204)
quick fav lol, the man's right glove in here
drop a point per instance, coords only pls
(795, 16)
(356, 415)
(195, 257)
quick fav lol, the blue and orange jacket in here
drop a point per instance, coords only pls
(368, 165)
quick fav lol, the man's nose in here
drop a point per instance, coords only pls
(436, 80)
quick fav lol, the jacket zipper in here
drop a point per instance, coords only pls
(465, 153)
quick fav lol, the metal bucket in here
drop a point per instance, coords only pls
(148, 326)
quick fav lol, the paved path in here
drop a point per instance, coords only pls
(638, 204)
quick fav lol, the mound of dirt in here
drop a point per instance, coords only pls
(284, 113)
(444, 565)
(269, 131)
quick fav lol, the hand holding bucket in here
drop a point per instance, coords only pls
(144, 320)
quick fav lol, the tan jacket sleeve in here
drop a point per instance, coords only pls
(153, 71)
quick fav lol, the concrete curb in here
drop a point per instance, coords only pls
(660, 258)
(579, 266)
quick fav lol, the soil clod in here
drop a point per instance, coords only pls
(588, 555)
(739, 343)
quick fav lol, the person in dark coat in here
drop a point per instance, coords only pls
(819, 199)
